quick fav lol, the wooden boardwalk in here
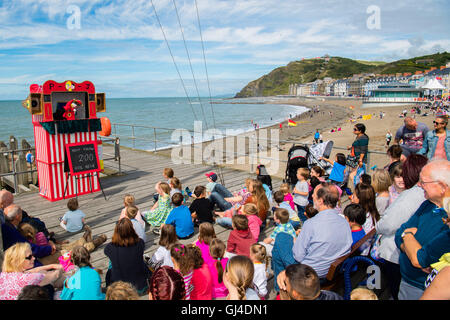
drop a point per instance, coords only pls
(141, 171)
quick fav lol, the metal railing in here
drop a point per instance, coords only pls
(13, 158)
(252, 137)
(12, 165)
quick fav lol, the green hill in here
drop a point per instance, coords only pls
(278, 80)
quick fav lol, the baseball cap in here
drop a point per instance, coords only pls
(212, 176)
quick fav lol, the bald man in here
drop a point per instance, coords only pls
(424, 238)
(6, 198)
(410, 136)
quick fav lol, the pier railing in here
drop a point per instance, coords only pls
(253, 141)
(21, 176)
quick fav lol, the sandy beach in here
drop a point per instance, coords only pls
(334, 113)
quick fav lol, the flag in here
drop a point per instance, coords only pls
(292, 123)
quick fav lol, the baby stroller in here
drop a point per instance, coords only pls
(300, 156)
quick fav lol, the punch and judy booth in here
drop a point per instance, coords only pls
(66, 125)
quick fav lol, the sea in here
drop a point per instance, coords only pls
(136, 120)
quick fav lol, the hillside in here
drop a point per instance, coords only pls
(278, 80)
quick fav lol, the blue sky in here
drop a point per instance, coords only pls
(119, 45)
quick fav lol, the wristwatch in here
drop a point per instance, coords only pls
(405, 233)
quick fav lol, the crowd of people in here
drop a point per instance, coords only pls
(315, 222)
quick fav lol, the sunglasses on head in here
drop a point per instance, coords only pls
(29, 257)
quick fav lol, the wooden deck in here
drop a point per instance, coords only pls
(141, 171)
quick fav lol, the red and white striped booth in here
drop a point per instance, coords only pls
(52, 133)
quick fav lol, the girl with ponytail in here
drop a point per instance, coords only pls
(183, 263)
(217, 266)
(238, 279)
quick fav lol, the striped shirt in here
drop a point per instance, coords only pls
(285, 227)
(187, 284)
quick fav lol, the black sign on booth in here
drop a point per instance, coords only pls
(82, 158)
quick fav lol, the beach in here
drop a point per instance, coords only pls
(333, 114)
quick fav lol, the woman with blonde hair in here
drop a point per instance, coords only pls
(238, 278)
(18, 272)
(381, 181)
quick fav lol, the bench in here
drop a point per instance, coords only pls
(335, 277)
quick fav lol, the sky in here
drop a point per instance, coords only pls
(163, 48)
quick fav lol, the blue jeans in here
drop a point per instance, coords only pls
(217, 198)
(295, 224)
(225, 222)
(301, 212)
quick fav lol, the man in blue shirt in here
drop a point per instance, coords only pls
(324, 237)
(424, 238)
(180, 218)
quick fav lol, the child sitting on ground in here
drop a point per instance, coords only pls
(287, 195)
(73, 220)
(281, 218)
(132, 213)
(201, 279)
(356, 217)
(167, 175)
(162, 257)
(293, 217)
(254, 222)
(180, 218)
(216, 267)
(206, 234)
(258, 255)
(240, 239)
(31, 234)
(161, 209)
(175, 186)
(129, 200)
(201, 208)
(183, 263)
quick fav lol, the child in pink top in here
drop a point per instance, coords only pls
(129, 200)
(287, 195)
(29, 233)
(205, 235)
(201, 279)
(217, 267)
(254, 222)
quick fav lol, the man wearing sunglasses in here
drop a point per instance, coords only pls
(411, 135)
(436, 144)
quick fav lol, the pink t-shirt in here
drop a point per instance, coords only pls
(254, 224)
(11, 283)
(203, 283)
(288, 197)
(204, 248)
(219, 289)
(439, 152)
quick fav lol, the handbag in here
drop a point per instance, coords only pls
(352, 160)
